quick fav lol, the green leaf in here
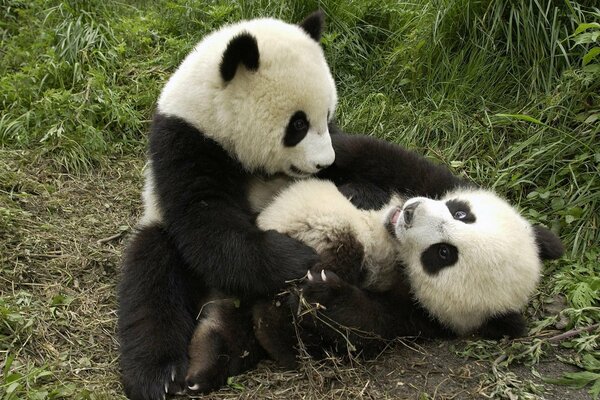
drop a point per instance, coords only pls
(592, 118)
(584, 26)
(234, 385)
(9, 360)
(574, 379)
(557, 203)
(590, 362)
(15, 376)
(587, 38)
(61, 300)
(12, 387)
(582, 295)
(595, 390)
(590, 55)
(521, 117)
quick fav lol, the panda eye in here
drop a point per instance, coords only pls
(460, 211)
(460, 215)
(443, 252)
(300, 124)
(439, 256)
(296, 129)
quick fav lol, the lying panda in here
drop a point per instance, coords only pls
(464, 263)
(455, 261)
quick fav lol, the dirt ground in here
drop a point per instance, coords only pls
(61, 239)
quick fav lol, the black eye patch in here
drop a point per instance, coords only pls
(296, 129)
(438, 256)
(461, 211)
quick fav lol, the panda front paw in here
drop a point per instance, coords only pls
(324, 288)
(157, 384)
(290, 259)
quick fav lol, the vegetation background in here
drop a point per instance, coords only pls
(506, 92)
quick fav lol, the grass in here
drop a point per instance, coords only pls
(504, 92)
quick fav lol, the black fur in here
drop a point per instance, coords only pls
(313, 25)
(439, 256)
(511, 324)
(223, 350)
(296, 129)
(203, 198)
(455, 206)
(364, 163)
(156, 294)
(242, 49)
(208, 235)
(549, 245)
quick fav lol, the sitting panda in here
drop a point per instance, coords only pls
(450, 261)
(246, 112)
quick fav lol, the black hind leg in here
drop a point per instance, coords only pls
(223, 344)
(157, 304)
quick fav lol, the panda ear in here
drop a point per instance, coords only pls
(549, 245)
(313, 25)
(241, 49)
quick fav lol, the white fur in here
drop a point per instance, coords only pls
(498, 265)
(248, 115)
(317, 214)
(152, 213)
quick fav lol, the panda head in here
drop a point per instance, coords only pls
(263, 90)
(470, 256)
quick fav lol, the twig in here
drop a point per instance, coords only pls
(113, 237)
(500, 359)
(573, 332)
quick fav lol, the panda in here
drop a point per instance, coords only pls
(434, 265)
(245, 113)
(407, 249)
(446, 267)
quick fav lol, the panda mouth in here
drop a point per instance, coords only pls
(297, 172)
(393, 219)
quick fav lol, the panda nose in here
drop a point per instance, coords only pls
(319, 166)
(409, 212)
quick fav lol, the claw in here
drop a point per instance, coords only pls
(323, 275)
(173, 374)
(195, 387)
(310, 277)
(166, 388)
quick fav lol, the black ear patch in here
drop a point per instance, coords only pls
(242, 49)
(549, 245)
(313, 25)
